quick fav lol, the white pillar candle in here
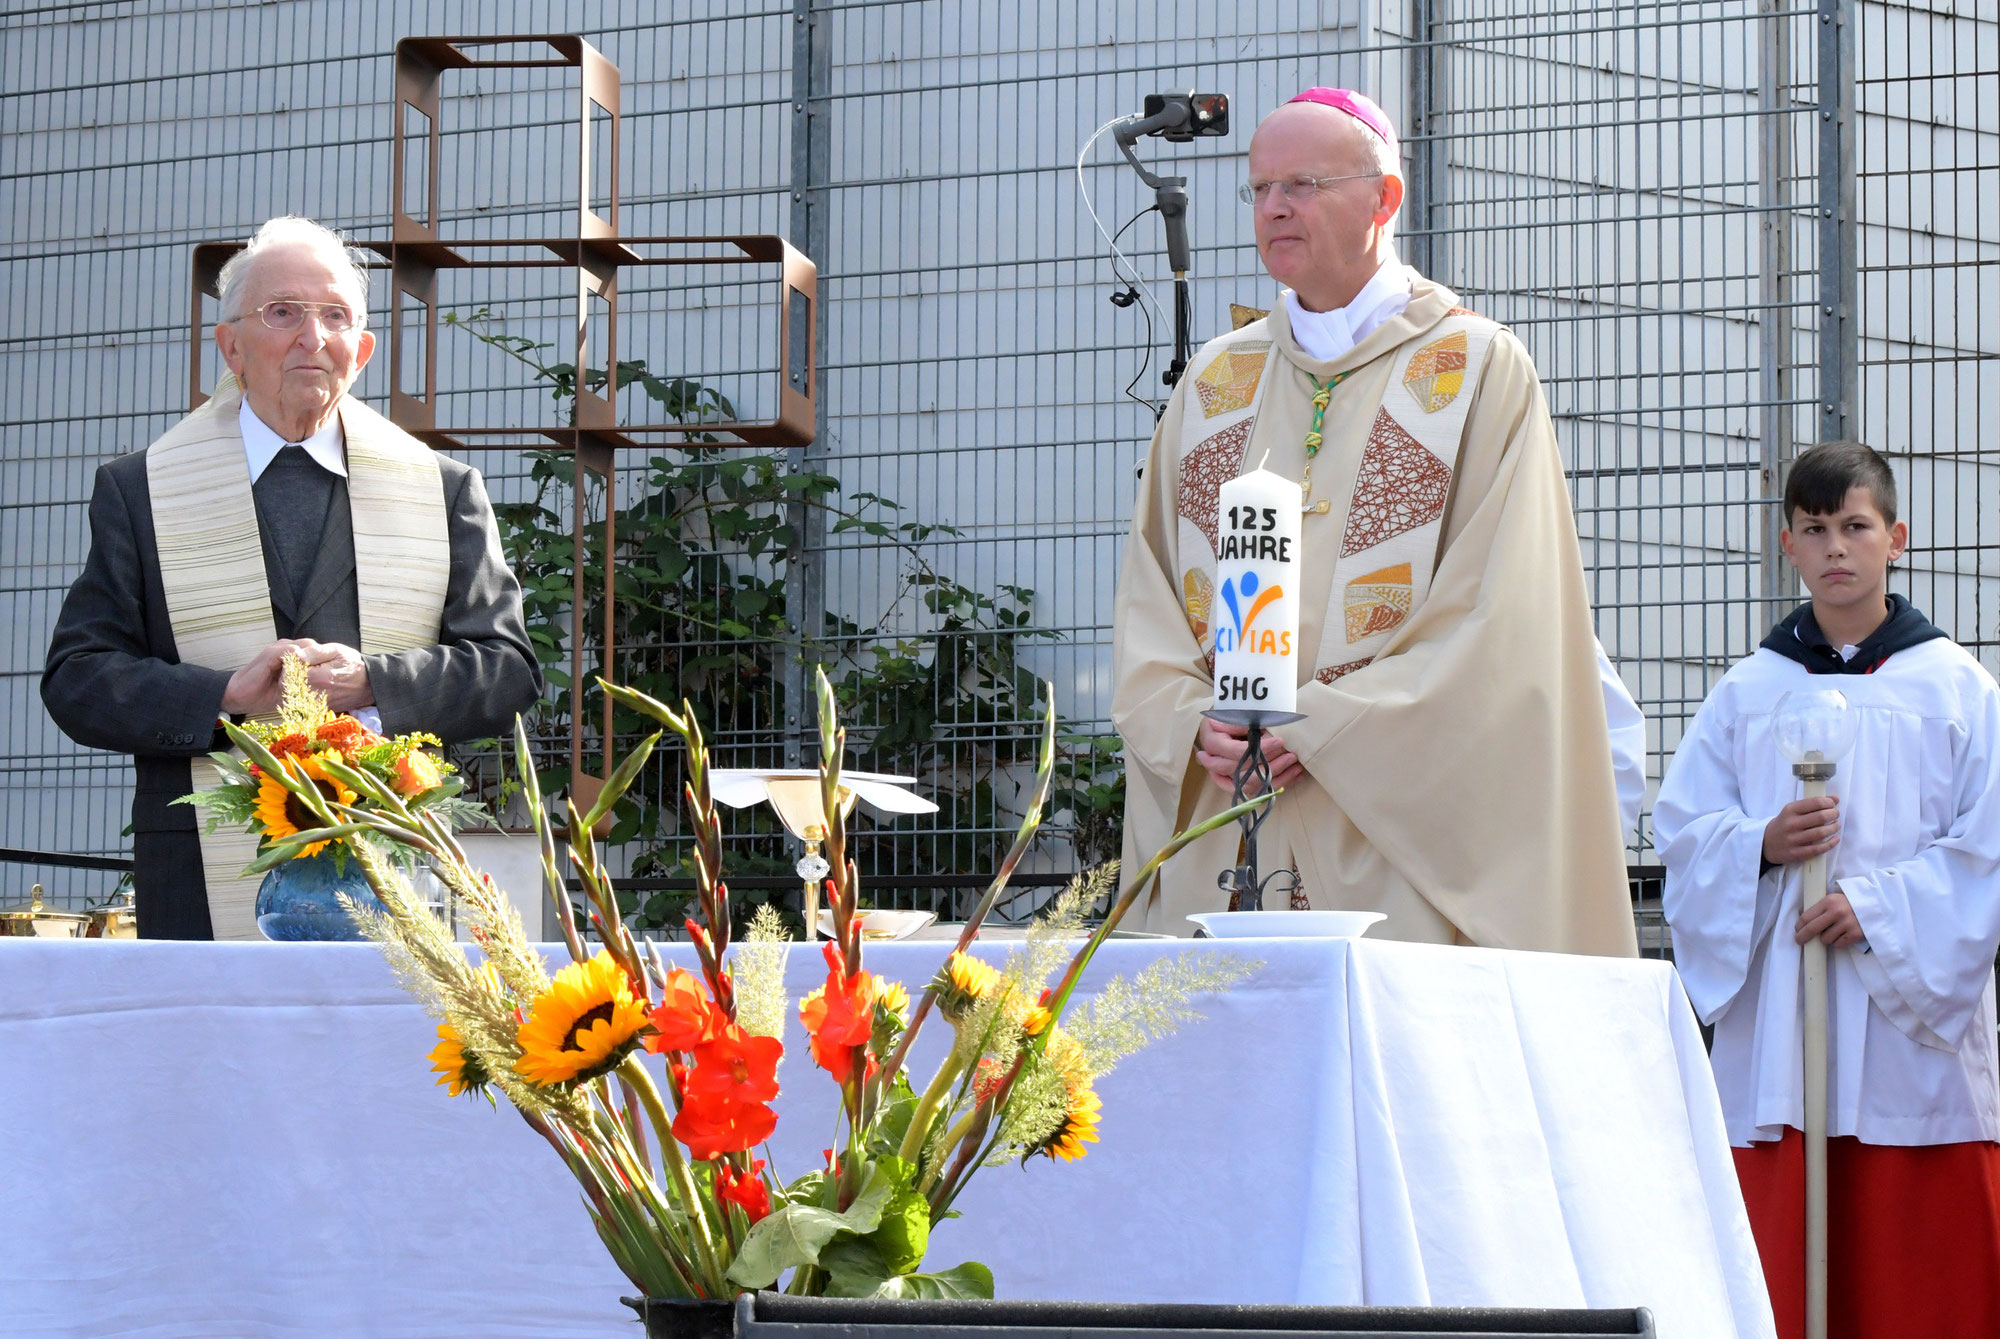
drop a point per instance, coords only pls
(1256, 607)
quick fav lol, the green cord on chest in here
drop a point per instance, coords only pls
(1322, 396)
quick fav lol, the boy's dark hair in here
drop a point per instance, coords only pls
(1822, 475)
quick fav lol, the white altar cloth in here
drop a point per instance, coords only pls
(243, 1139)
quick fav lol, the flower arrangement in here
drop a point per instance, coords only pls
(655, 1084)
(309, 744)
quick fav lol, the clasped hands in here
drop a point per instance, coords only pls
(331, 668)
(1219, 748)
(1804, 829)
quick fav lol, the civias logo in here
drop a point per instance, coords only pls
(1245, 598)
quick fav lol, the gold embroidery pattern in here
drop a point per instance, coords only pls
(1229, 382)
(1332, 672)
(1240, 315)
(1437, 372)
(1203, 472)
(1377, 602)
(1198, 596)
(1400, 486)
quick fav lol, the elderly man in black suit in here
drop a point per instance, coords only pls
(282, 516)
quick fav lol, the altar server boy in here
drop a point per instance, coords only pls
(1911, 824)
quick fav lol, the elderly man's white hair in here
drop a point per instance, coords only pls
(290, 230)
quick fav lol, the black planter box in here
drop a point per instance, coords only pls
(775, 1316)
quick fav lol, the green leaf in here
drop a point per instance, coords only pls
(893, 1122)
(904, 1233)
(970, 1281)
(797, 1233)
(854, 1268)
(277, 853)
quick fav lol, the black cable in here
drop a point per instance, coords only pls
(1131, 293)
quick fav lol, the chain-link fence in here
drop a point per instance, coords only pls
(1723, 229)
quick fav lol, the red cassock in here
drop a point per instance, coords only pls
(1913, 1236)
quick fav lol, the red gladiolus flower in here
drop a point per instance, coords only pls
(735, 1069)
(746, 1190)
(724, 1092)
(684, 1018)
(987, 1078)
(840, 1018)
(711, 1129)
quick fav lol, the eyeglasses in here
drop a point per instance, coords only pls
(335, 318)
(1296, 190)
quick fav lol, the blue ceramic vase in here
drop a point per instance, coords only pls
(300, 898)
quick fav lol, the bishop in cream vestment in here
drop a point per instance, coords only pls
(1459, 772)
(1453, 768)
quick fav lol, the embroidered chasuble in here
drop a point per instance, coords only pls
(1459, 773)
(218, 596)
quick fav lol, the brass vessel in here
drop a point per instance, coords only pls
(32, 920)
(114, 918)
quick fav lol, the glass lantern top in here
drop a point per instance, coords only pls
(1814, 725)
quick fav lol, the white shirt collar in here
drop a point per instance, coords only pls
(1326, 336)
(261, 445)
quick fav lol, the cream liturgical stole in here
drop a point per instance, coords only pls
(1398, 485)
(218, 597)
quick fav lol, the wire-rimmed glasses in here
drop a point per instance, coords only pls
(335, 318)
(1296, 190)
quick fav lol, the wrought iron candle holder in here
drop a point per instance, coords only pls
(1243, 883)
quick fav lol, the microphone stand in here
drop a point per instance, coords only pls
(1170, 196)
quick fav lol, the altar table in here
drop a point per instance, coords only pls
(244, 1140)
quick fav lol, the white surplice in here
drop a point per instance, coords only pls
(1911, 1009)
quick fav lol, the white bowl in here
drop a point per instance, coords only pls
(883, 924)
(1287, 924)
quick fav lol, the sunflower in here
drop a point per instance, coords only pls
(458, 1070)
(282, 814)
(890, 996)
(960, 983)
(584, 1025)
(1077, 1128)
(1032, 1019)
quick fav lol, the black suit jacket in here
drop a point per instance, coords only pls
(113, 679)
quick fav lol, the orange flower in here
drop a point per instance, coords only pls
(711, 1130)
(725, 1091)
(840, 1018)
(684, 1018)
(347, 735)
(734, 1069)
(293, 745)
(746, 1190)
(416, 772)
